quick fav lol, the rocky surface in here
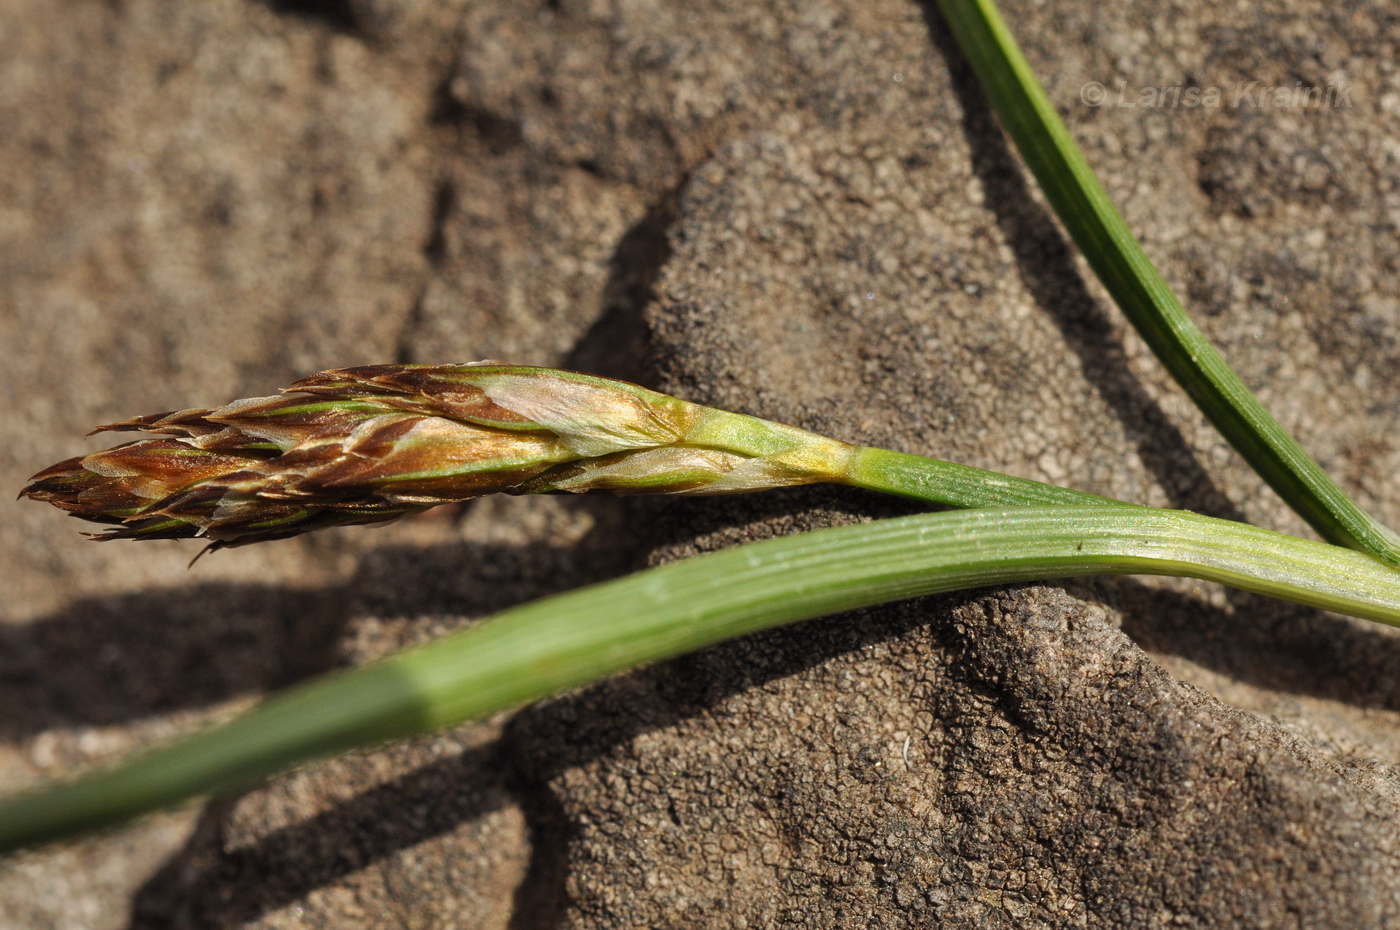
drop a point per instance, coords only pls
(798, 210)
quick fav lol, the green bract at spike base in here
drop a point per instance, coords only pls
(545, 647)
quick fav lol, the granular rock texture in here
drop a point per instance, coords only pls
(797, 210)
(884, 772)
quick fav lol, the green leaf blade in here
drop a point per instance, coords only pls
(548, 646)
(1098, 229)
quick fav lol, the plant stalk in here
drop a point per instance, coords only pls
(954, 485)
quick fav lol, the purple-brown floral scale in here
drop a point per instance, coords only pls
(371, 444)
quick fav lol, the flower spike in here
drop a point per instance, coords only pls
(371, 444)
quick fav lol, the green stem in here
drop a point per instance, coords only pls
(1140, 291)
(954, 485)
(547, 646)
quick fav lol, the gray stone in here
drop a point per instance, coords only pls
(798, 210)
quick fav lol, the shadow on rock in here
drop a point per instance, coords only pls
(1045, 263)
(104, 661)
(209, 885)
(1269, 644)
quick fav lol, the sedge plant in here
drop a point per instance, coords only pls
(367, 445)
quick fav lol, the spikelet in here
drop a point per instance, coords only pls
(371, 444)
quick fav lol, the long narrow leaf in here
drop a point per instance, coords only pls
(1085, 209)
(547, 646)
